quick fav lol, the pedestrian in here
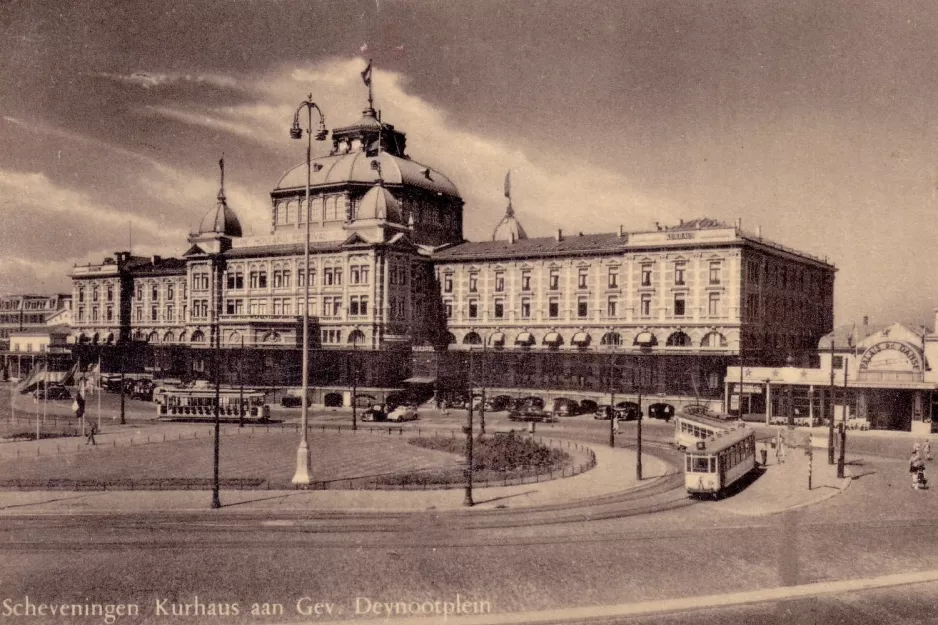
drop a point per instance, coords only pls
(91, 432)
(765, 453)
(444, 405)
(780, 451)
(615, 424)
(917, 469)
(926, 450)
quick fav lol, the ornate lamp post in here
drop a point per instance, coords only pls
(301, 477)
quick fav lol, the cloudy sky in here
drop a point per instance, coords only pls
(812, 120)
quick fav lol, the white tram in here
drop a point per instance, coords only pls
(198, 404)
(688, 429)
(714, 464)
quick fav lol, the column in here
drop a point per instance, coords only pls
(811, 405)
(768, 401)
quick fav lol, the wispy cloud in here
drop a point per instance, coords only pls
(151, 80)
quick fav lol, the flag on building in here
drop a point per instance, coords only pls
(366, 75)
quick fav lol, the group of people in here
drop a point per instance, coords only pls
(920, 454)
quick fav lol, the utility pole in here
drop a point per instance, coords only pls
(612, 399)
(830, 428)
(638, 429)
(216, 312)
(467, 501)
(122, 347)
(482, 403)
(241, 387)
(843, 428)
(355, 385)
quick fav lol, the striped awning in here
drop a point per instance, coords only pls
(645, 338)
(552, 338)
(524, 338)
(581, 338)
(497, 339)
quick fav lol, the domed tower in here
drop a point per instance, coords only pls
(368, 185)
(509, 228)
(219, 225)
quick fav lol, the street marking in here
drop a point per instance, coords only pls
(661, 606)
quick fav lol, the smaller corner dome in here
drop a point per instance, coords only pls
(379, 203)
(221, 220)
(509, 229)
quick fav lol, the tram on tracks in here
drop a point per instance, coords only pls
(690, 428)
(198, 404)
(715, 464)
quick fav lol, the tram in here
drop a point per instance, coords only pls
(198, 404)
(688, 429)
(714, 464)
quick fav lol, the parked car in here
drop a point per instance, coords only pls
(661, 411)
(628, 411)
(53, 391)
(403, 413)
(531, 414)
(375, 413)
(603, 411)
(497, 403)
(564, 407)
(291, 401)
(588, 406)
(533, 402)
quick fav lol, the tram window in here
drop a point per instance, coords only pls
(701, 464)
(713, 462)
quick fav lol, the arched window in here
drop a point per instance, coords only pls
(168, 337)
(95, 338)
(198, 336)
(356, 337)
(472, 338)
(272, 337)
(153, 338)
(713, 339)
(611, 338)
(678, 339)
(450, 338)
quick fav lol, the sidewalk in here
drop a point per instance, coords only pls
(785, 486)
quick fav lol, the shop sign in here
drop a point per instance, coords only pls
(904, 349)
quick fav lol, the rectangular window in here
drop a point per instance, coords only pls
(582, 278)
(553, 309)
(364, 272)
(679, 305)
(278, 306)
(646, 274)
(94, 313)
(254, 279)
(138, 313)
(447, 284)
(473, 309)
(613, 277)
(338, 276)
(81, 295)
(110, 313)
(110, 293)
(154, 294)
(582, 307)
(612, 307)
(838, 362)
(526, 280)
(713, 306)
(554, 280)
(499, 309)
(354, 275)
(473, 283)
(526, 308)
(154, 312)
(679, 269)
(449, 310)
(138, 292)
(328, 277)
(646, 305)
(715, 272)
(499, 281)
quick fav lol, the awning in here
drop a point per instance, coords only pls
(420, 380)
(552, 338)
(581, 338)
(645, 338)
(524, 338)
(497, 339)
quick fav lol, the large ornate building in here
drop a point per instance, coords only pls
(396, 290)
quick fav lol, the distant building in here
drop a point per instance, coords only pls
(26, 313)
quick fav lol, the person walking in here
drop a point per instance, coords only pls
(780, 451)
(765, 453)
(917, 468)
(91, 432)
(926, 450)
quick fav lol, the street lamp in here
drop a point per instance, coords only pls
(467, 429)
(301, 477)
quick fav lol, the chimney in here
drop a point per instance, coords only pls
(156, 259)
(511, 238)
(739, 223)
(559, 234)
(621, 231)
(759, 232)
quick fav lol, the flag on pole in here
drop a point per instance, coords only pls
(508, 185)
(366, 75)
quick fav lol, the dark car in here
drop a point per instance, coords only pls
(588, 406)
(375, 413)
(533, 402)
(628, 411)
(497, 403)
(661, 411)
(291, 401)
(531, 415)
(564, 407)
(53, 391)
